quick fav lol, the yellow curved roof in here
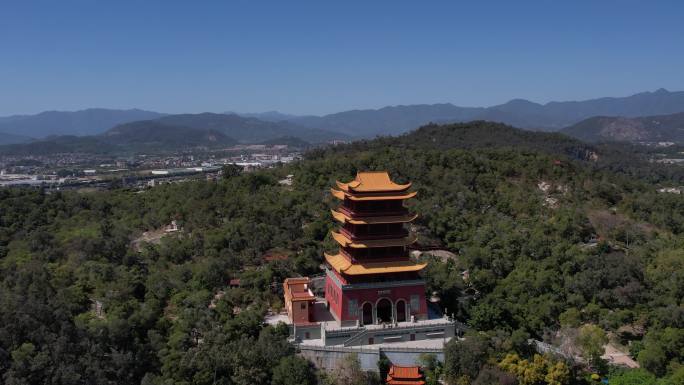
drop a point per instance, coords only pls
(346, 242)
(337, 194)
(372, 181)
(343, 265)
(341, 217)
(375, 197)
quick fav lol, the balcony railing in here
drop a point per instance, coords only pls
(355, 213)
(403, 233)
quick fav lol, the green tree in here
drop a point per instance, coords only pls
(464, 358)
(570, 318)
(540, 370)
(677, 376)
(294, 370)
(490, 375)
(384, 365)
(231, 170)
(349, 372)
(633, 377)
(591, 339)
(432, 368)
(653, 358)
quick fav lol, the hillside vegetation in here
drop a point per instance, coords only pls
(78, 304)
(662, 128)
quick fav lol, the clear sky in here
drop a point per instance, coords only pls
(315, 57)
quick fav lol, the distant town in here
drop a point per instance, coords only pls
(74, 170)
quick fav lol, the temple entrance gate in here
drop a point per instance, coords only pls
(401, 310)
(367, 314)
(384, 311)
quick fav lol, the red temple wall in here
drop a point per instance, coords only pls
(339, 300)
(333, 294)
(393, 294)
(301, 313)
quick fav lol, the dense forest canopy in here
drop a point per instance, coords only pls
(555, 235)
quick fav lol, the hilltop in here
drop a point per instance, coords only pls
(660, 128)
(165, 136)
(520, 212)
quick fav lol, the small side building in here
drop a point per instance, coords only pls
(299, 300)
(405, 375)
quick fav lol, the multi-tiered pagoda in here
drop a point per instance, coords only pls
(371, 279)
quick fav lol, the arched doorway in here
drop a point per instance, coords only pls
(384, 310)
(367, 314)
(401, 310)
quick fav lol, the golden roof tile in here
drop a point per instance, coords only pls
(342, 265)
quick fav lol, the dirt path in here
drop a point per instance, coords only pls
(616, 357)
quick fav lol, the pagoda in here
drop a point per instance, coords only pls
(372, 280)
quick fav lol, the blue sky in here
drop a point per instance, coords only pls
(321, 56)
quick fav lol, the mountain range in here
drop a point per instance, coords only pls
(178, 132)
(251, 130)
(391, 120)
(660, 128)
(85, 122)
(551, 116)
(11, 138)
(268, 116)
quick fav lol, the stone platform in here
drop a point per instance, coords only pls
(324, 330)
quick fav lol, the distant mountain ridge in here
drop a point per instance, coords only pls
(155, 133)
(91, 121)
(391, 120)
(660, 128)
(177, 132)
(268, 116)
(551, 116)
(12, 138)
(252, 130)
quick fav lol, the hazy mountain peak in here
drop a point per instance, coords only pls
(90, 121)
(269, 116)
(521, 102)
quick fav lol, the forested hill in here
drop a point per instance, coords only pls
(662, 128)
(164, 136)
(625, 159)
(553, 246)
(483, 134)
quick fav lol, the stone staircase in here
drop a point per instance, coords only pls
(353, 340)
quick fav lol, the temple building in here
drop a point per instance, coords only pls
(373, 292)
(371, 279)
(299, 300)
(404, 375)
